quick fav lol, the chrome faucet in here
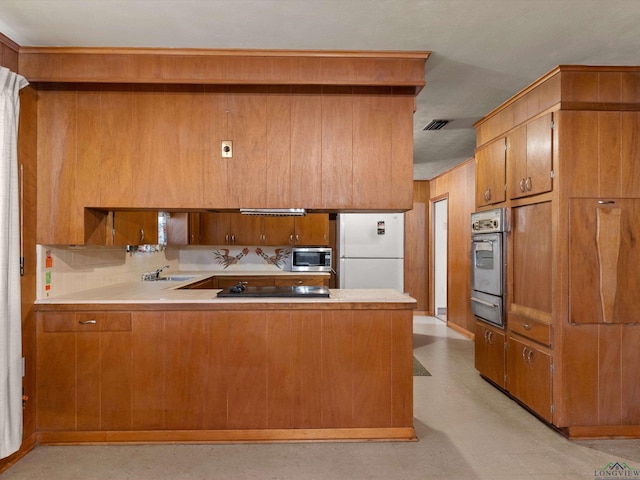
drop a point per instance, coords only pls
(159, 271)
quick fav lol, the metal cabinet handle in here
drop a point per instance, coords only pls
(526, 326)
(87, 322)
(528, 184)
(298, 282)
(141, 235)
(291, 239)
(226, 239)
(606, 202)
(233, 238)
(487, 194)
(524, 354)
(486, 336)
(529, 357)
(490, 337)
(522, 185)
(297, 238)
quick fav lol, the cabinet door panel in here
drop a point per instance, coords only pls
(59, 211)
(312, 229)
(56, 378)
(517, 162)
(372, 369)
(372, 151)
(531, 262)
(168, 124)
(214, 228)
(491, 173)
(279, 231)
(278, 170)
(247, 128)
(135, 228)
(247, 352)
(88, 381)
(115, 380)
(539, 155)
(337, 369)
(603, 261)
(217, 170)
(529, 377)
(306, 148)
(630, 374)
(337, 147)
(185, 355)
(489, 355)
(245, 229)
(148, 371)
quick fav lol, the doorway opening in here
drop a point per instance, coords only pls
(440, 256)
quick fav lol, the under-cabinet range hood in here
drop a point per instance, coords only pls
(274, 212)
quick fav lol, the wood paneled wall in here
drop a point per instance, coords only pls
(458, 185)
(8, 53)
(416, 237)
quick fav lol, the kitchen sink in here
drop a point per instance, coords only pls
(176, 278)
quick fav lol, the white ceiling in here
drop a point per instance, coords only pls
(483, 51)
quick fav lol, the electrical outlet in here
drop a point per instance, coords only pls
(227, 149)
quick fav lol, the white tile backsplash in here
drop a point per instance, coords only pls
(77, 268)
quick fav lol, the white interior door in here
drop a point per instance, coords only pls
(440, 220)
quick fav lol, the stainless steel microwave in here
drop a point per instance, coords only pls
(311, 259)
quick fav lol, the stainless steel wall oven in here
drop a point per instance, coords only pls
(488, 269)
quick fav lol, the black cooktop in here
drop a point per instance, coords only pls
(301, 291)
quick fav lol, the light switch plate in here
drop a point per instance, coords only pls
(227, 149)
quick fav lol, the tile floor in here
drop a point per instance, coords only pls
(466, 429)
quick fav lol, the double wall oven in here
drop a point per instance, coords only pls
(488, 269)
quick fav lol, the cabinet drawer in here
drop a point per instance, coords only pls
(226, 282)
(306, 280)
(86, 322)
(533, 329)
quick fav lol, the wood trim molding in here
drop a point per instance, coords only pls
(224, 436)
(223, 67)
(260, 304)
(28, 444)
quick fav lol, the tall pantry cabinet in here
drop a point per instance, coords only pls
(572, 181)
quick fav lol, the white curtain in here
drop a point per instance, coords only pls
(10, 317)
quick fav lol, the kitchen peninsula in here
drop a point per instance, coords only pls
(148, 361)
(105, 132)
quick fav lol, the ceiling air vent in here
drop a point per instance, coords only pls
(436, 124)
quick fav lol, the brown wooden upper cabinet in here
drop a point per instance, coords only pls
(155, 142)
(135, 227)
(529, 158)
(237, 229)
(490, 173)
(229, 229)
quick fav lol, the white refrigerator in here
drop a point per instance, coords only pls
(371, 250)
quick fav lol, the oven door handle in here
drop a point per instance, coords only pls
(483, 302)
(490, 242)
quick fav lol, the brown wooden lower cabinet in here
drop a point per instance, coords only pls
(326, 373)
(529, 376)
(84, 371)
(267, 281)
(490, 353)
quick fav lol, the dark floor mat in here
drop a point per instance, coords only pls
(419, 370)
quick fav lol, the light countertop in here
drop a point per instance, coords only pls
(169, 292)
